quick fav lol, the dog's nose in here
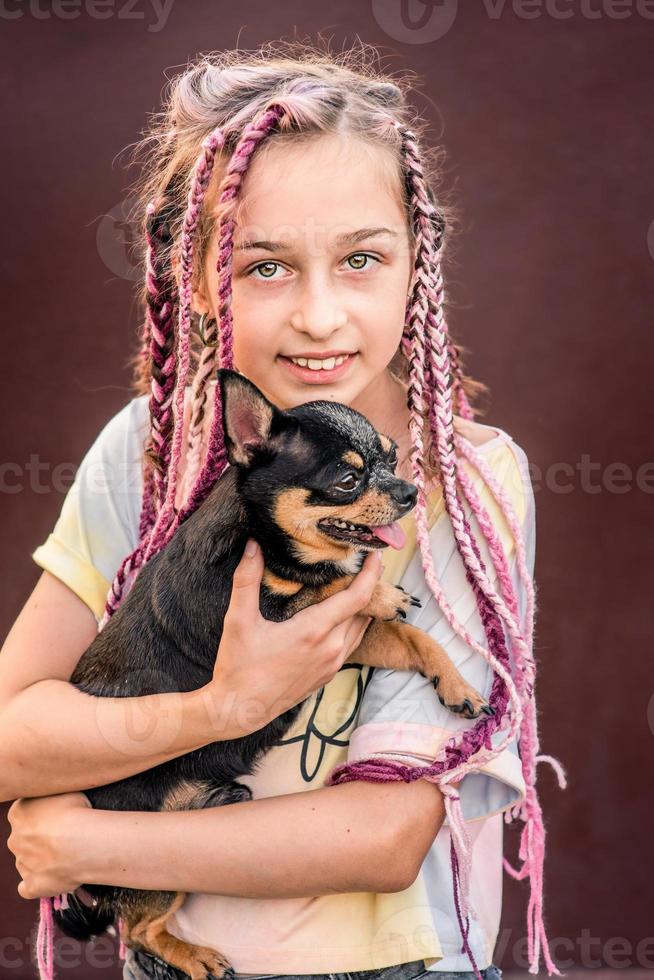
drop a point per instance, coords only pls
(406, 495)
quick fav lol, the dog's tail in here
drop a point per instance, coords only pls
(81, 921)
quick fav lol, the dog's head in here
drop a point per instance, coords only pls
(317, 481)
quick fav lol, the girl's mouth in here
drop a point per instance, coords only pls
(320, 376)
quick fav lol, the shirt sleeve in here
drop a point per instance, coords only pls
(98, 523)
(400, 714)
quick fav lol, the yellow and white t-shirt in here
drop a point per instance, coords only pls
(359, 713)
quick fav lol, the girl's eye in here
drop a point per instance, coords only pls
(265, 266)
(361, 255)
(268, 269)
(348, 483)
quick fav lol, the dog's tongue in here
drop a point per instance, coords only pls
(391, 534)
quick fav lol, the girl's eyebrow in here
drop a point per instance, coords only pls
(349, 238)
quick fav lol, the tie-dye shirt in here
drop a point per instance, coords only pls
(361, 712)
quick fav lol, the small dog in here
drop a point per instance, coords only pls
(315, 486)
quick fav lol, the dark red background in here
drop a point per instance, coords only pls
(548, 124)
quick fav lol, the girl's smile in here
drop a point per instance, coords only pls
(332, 369)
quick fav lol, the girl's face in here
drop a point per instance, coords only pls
(322, 265)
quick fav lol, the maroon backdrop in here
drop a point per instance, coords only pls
(547, 112)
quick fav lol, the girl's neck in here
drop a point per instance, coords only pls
(384, 403)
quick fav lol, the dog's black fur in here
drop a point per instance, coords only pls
(288, 472)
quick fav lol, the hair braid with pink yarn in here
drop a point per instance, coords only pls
(433, 373)
(160, 314)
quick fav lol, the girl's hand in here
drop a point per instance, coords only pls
(45, 842)
(264, 668)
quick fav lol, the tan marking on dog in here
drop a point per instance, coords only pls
(151, 934)
(187, 795)
(385, 601)
(299, 520)
(354, 459)
(402, 646)
(280, 586)
(386, 443)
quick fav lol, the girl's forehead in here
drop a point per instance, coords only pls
(328, 182)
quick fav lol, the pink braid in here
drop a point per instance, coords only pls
(477, 460)
(145, 369)
(216, 456)
(196, 433)
(160, 317)
(158, 340)
(495, 547)
(459, 396)
(159, 333)
(130, 566)
(430, 367)
(201, 177)
(169, 518)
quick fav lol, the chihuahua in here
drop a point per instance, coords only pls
(315, 486)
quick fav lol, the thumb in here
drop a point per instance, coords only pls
(247, 576)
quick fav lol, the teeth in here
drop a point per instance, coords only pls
(346, 525)
(316, 365)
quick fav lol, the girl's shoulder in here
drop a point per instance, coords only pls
(504, 459)
(479, 435)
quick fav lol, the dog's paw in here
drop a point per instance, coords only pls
(390, 602)
(208, 964)
(238, 793)
(461, 698)
(228, 793)
(413, 599)
(228, 974)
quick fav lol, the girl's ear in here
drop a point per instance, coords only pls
(199, 301)
(252, 424)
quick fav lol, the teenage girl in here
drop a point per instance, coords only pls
(293, 233)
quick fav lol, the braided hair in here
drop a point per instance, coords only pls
(229, 105)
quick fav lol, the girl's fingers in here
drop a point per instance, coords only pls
(347, 603)
(355, 633)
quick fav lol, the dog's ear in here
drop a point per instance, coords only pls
(252, 424)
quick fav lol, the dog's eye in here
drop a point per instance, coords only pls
(348, 483)
(392, 461)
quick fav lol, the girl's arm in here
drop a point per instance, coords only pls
(54, 738)
(351, 837)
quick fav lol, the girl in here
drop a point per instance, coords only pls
(292, 234)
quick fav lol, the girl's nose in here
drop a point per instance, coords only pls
(318, 320)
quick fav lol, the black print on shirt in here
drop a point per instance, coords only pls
(311, 732)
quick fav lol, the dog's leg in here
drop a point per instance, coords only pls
(387, 602)
(148, 916)
(145, 928)
(400, 646)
